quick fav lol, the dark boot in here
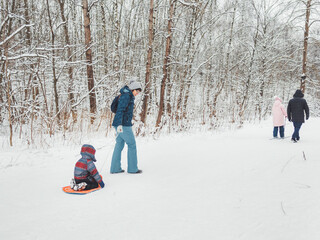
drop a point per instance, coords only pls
(121, 171)
(137, 172)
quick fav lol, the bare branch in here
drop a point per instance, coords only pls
(15, 33)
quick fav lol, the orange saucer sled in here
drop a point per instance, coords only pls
(68, 189)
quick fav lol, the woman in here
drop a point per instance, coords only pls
(122, 122)
(278, 113)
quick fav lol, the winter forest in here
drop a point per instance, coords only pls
(202, 63)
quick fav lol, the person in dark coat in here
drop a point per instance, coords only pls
(296, 110)
(122, 123)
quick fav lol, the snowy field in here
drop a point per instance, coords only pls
(216, 185)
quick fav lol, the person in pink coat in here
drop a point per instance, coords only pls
(279, 114)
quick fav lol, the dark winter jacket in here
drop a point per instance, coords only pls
(124, 112)
(297, 107)
(85, 168)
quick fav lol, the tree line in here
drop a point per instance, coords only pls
(202, 63)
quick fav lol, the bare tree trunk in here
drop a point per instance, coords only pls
(5, 47)
(8, 93)
(32, 78)
(169, 90)
(9, 110)
(105, 41)
(2, 94)
(244, 102)
(144, 111)
(222, 82)
(208, 88)
(116, 32)
(190, 55)
(26, 15)
(55, 79)
(190, 58)
(305, 48)
(69, 59)
(166, 63)
(262, 83)
(4, 72)
(87, 32)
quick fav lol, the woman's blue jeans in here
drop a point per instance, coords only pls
(281, 130)
(125, 137)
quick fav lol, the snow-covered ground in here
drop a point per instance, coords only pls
(227, 185)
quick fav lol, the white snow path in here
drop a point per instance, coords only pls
(229, 185)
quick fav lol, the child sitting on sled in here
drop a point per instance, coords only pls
(86, 175)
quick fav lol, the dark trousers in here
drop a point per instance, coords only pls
(297, 126)
(281, 130)
(90, 184)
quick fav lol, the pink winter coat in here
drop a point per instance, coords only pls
(278, 113)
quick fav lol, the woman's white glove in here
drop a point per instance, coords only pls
(119, 129)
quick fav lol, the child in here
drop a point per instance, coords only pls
(278, 113)
(86, 175)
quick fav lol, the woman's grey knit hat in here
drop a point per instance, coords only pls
(134, 85)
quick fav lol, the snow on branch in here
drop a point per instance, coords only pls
(92, 4)
(23, 56)
(188, 4)
(4, 22)
(95, 87)
(14, 33)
